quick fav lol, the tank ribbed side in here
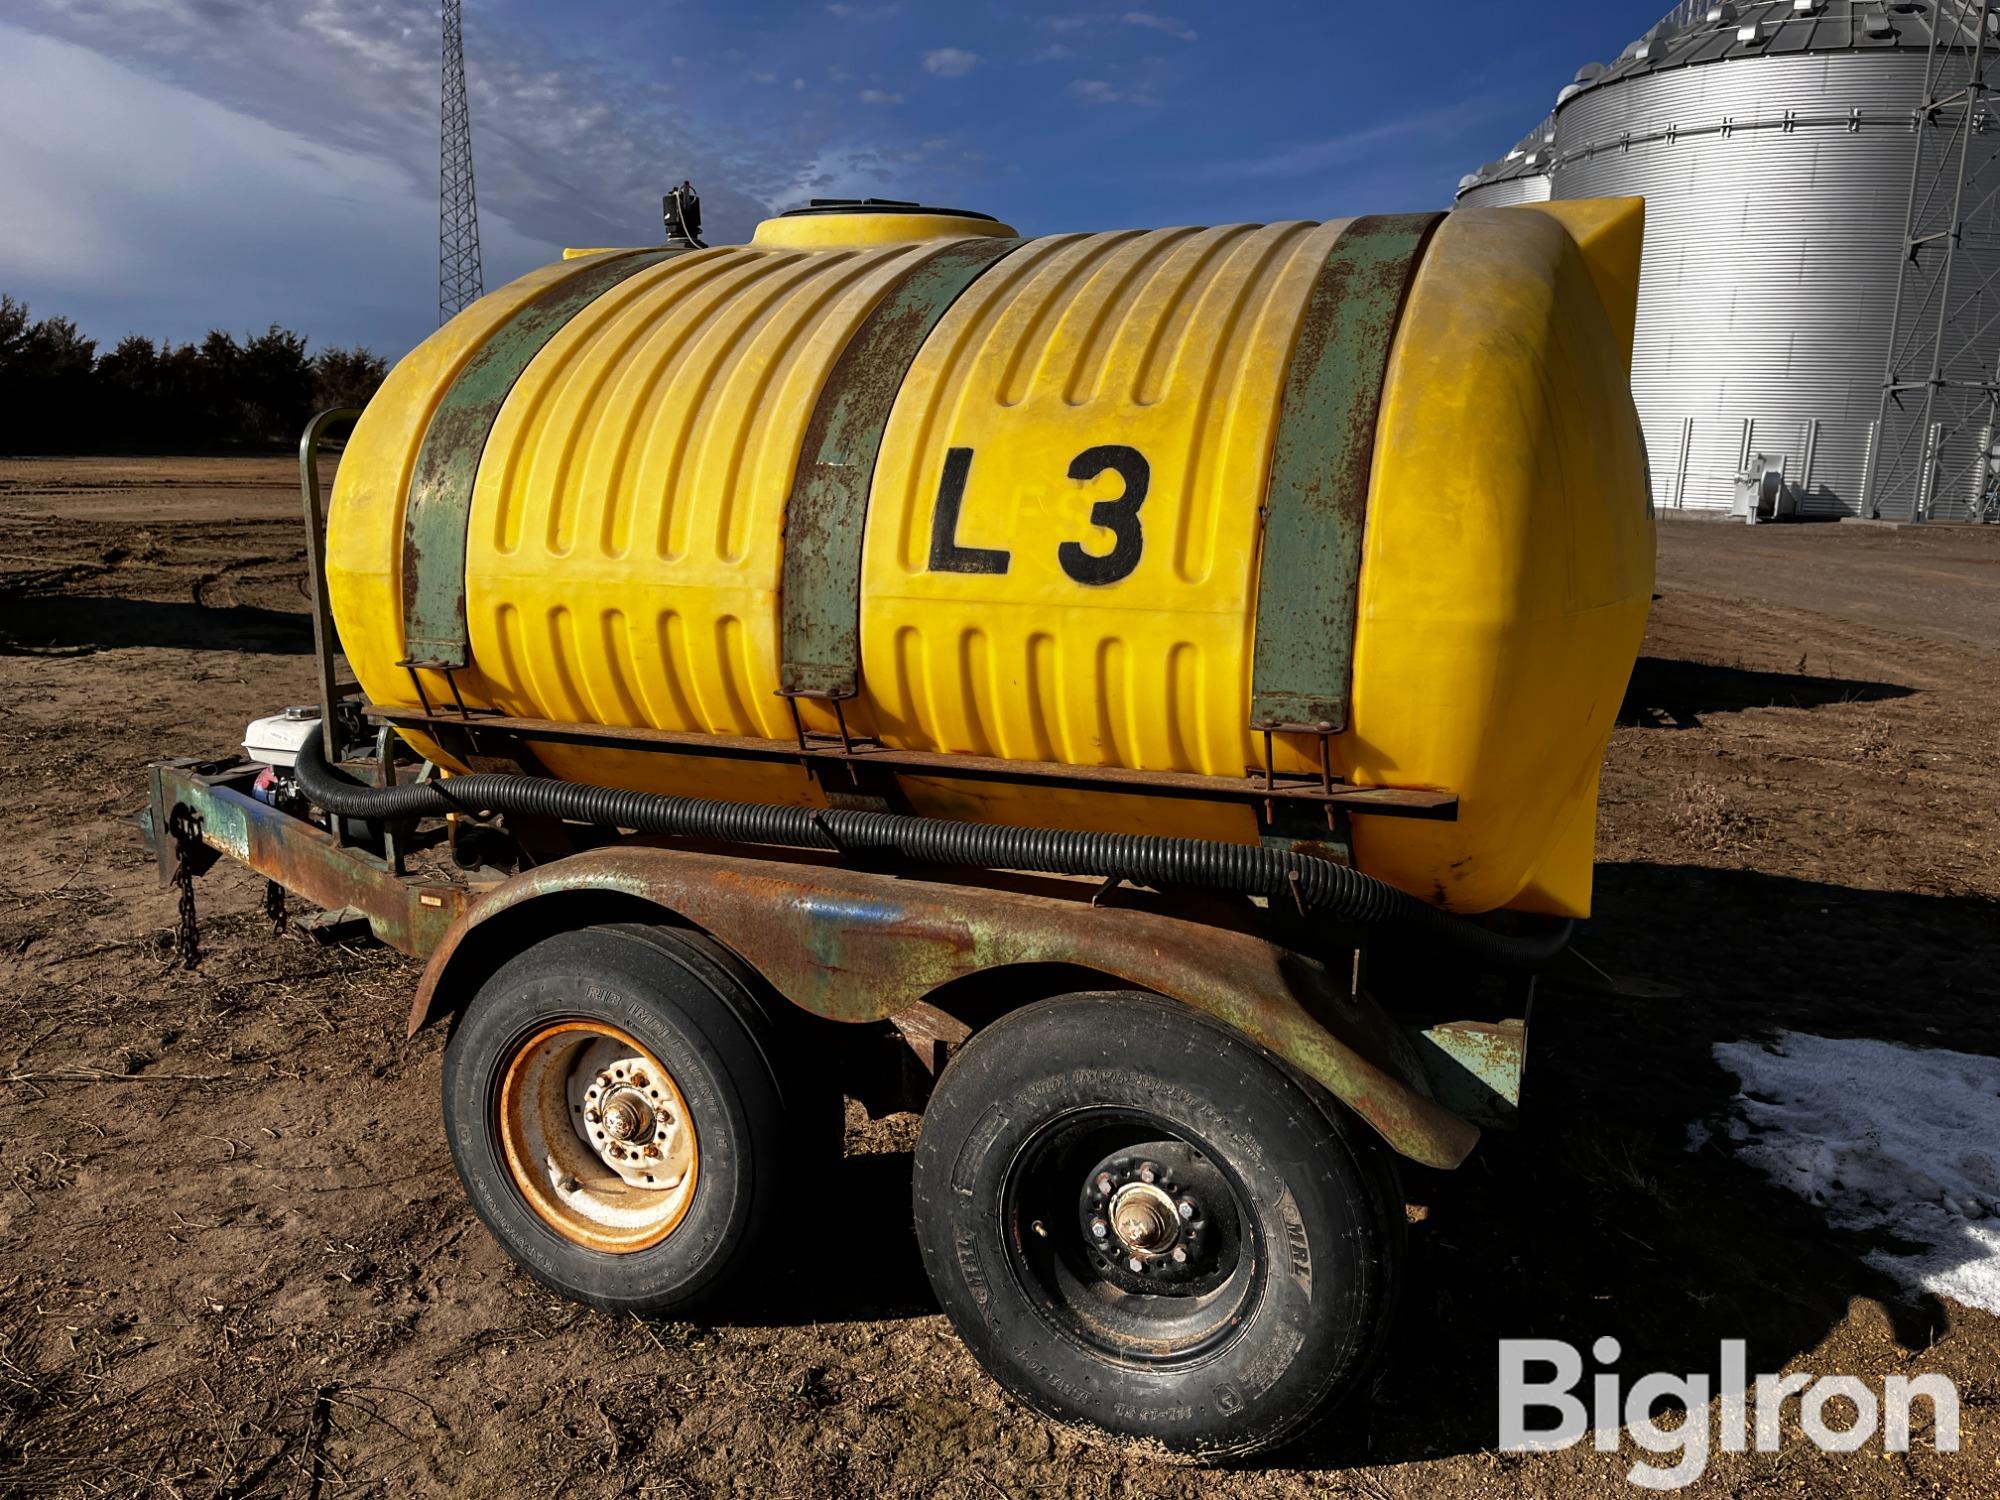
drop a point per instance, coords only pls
(625, 563)
(1079, 369)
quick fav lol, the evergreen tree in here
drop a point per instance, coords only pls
(59, 395)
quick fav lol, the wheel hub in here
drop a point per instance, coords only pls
(626, 1117)
(1143, 1228)
(1144, 1218)
(597, 1136)
(629, 1119)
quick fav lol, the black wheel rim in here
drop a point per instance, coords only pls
(1132, 1237)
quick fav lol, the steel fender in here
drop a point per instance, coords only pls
(854, 945)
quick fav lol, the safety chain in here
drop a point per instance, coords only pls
(274, 907)
(186, 834)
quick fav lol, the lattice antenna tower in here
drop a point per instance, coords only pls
(1939, 415)
(459, 278)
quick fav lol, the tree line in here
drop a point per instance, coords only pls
(58, 394)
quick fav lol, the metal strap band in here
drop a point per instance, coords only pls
(821, 587)
(436, 521)
(1317, 503)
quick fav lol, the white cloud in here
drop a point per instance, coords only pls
(567, 149)
(862, 13)
(1305, 158)
(159, 212)
(1097, 91)
(837, 173)
(879, 96)
(1177, 29)
(950, 62)
(1054, 52)
(1147, 20)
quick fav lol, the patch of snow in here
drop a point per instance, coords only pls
(1882, 1137)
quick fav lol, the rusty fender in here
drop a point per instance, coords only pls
(854, 945)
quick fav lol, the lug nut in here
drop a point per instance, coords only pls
(1104, 1182)
(638, 1080)
(1099, 1228)
(1180, 1255)
(1147, 1171)
(1187, 1209)
(593, 1115)
(652, 1153)
(1137, 1264)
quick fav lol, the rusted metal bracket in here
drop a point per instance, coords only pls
(1324, 831)
(1316, 503)
(820, 589)
(440, 503)
(819, 751)
(933, 1034)
(1476, 1067)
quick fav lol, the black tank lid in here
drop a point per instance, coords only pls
(880, 206)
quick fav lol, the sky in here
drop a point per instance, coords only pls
(171, 166)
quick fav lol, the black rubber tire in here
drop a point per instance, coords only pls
(688, 1000)
(1320, 1191)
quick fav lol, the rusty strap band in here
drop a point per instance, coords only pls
(820, 591)
(439, 512)
(1317, 503)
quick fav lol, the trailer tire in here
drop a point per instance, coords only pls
(1140, 1221)
(703, 1080)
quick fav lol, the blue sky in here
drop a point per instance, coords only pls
(167, 166)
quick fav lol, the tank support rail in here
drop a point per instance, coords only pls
(439, 512)
(1316, 502)
(467, 732)
(408, 913)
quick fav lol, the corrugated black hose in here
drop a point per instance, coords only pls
(1144, 859)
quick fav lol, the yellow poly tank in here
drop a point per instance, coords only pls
(1101, 500)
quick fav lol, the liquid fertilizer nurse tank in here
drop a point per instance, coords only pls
(1137, 502)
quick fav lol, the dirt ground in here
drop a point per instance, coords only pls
(234, 1259)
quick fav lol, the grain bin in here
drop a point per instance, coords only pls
(1772, 142)
(1521, 176)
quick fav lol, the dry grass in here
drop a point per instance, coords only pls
(1872, 740)
(68, 1426)
(1706, 817)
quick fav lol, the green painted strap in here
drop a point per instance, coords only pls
(821, 587)
(440, 510)
(1318, 498)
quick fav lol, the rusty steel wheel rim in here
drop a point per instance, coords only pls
(597, 1137)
